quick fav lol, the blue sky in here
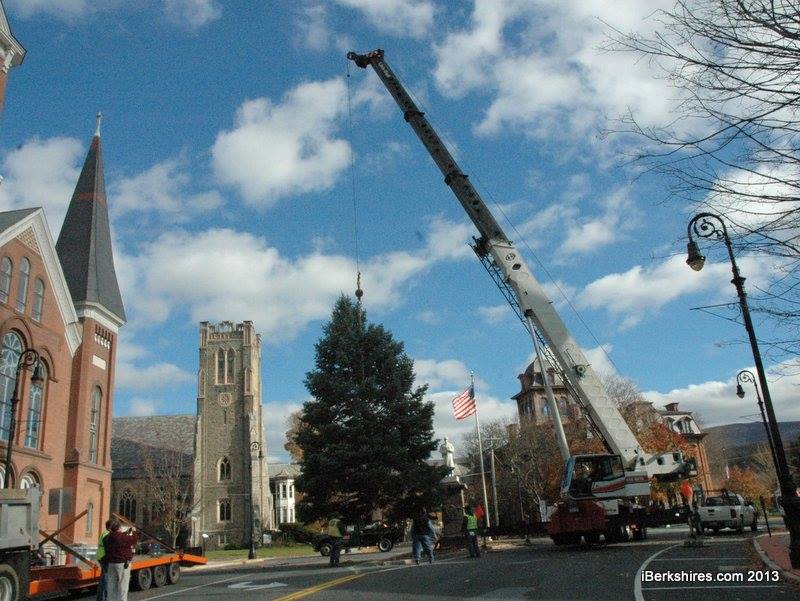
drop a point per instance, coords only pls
(227, 150)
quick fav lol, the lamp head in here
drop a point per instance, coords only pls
(739, 391)
(38, 373)
(694, 259)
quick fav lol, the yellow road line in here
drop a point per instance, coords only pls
(319, 587)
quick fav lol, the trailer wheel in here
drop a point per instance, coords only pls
(159, 576)
(141, 579)
(9, 584)
(325, 549)
(174, 572)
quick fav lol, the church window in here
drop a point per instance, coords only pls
(5, 278)
(9, 356)
(127, 505)
(224, 510)
(222, 539)
(89, 518)
(38, 300)
(35, 404)
(94, 423)
(229, 372)
(22, 289)
(224, 469)
(545, 410)
(220, 366)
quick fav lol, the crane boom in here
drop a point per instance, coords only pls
(530, 295)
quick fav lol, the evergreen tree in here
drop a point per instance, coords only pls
(365, 435)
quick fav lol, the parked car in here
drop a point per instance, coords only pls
(727, 510)
(376, 534)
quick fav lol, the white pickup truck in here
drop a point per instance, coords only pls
(727, 510)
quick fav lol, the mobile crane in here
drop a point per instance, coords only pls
(598, 492)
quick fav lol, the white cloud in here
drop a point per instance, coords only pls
(163, 188)
(599, 359)
(541, 63)
(400, 17)
(154, 376)
(65, 10)
(496, 313)
(443, 373)
(314, 31)
(716, 401)
(280, 150)
(275, 417)
(42, 173)
(192, 14)
(647, 289)
(225, 274)
(142, 407)
(588, 235)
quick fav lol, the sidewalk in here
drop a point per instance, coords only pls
(775, 553)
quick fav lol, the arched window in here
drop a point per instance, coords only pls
(5, 278)
(22, 289)
(35, 406)
(224, 469)
(220, 366)
(94, 423)
(127, 505)
(29, 480)
(9, 357)
(89, 518)
(38, 300)
(231, 362)
(224, 510)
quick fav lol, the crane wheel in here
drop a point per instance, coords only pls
(9, 584)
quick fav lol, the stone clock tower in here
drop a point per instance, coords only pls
(230, 469)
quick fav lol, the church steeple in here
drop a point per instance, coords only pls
(84, 244)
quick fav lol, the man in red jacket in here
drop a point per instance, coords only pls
(119, 553)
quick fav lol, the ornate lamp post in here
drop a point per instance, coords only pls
(27, 358)
(709, 225)
(747, 376)
(254, 446)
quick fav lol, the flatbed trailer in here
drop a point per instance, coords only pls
(146, 571)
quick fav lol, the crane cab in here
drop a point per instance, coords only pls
(601, 476)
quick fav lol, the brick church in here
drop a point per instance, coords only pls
(62, 301)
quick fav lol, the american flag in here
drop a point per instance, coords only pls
(464, 404)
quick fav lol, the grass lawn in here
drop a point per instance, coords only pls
(261, 552)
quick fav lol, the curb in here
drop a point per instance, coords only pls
(767, 561)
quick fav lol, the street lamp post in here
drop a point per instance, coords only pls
(709, 225)
(27, 358)
(254, 446)
(747, 376)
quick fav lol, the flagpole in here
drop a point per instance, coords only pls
(480, 452)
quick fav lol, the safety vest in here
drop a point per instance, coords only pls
(334, 529)
(101, 546)
(472, 522)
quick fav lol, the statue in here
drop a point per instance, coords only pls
(448, 450)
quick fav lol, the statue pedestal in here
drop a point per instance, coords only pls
(452, 514)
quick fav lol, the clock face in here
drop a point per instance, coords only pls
(224, 399)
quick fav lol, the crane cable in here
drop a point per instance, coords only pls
(359, 291)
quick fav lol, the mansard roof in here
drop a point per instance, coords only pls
(84, 244)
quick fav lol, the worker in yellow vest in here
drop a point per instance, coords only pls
(336, 532)
(101, 559)
(470, 529)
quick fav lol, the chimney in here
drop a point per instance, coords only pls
(671, 407)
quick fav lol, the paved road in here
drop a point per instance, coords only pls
(541, 571)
